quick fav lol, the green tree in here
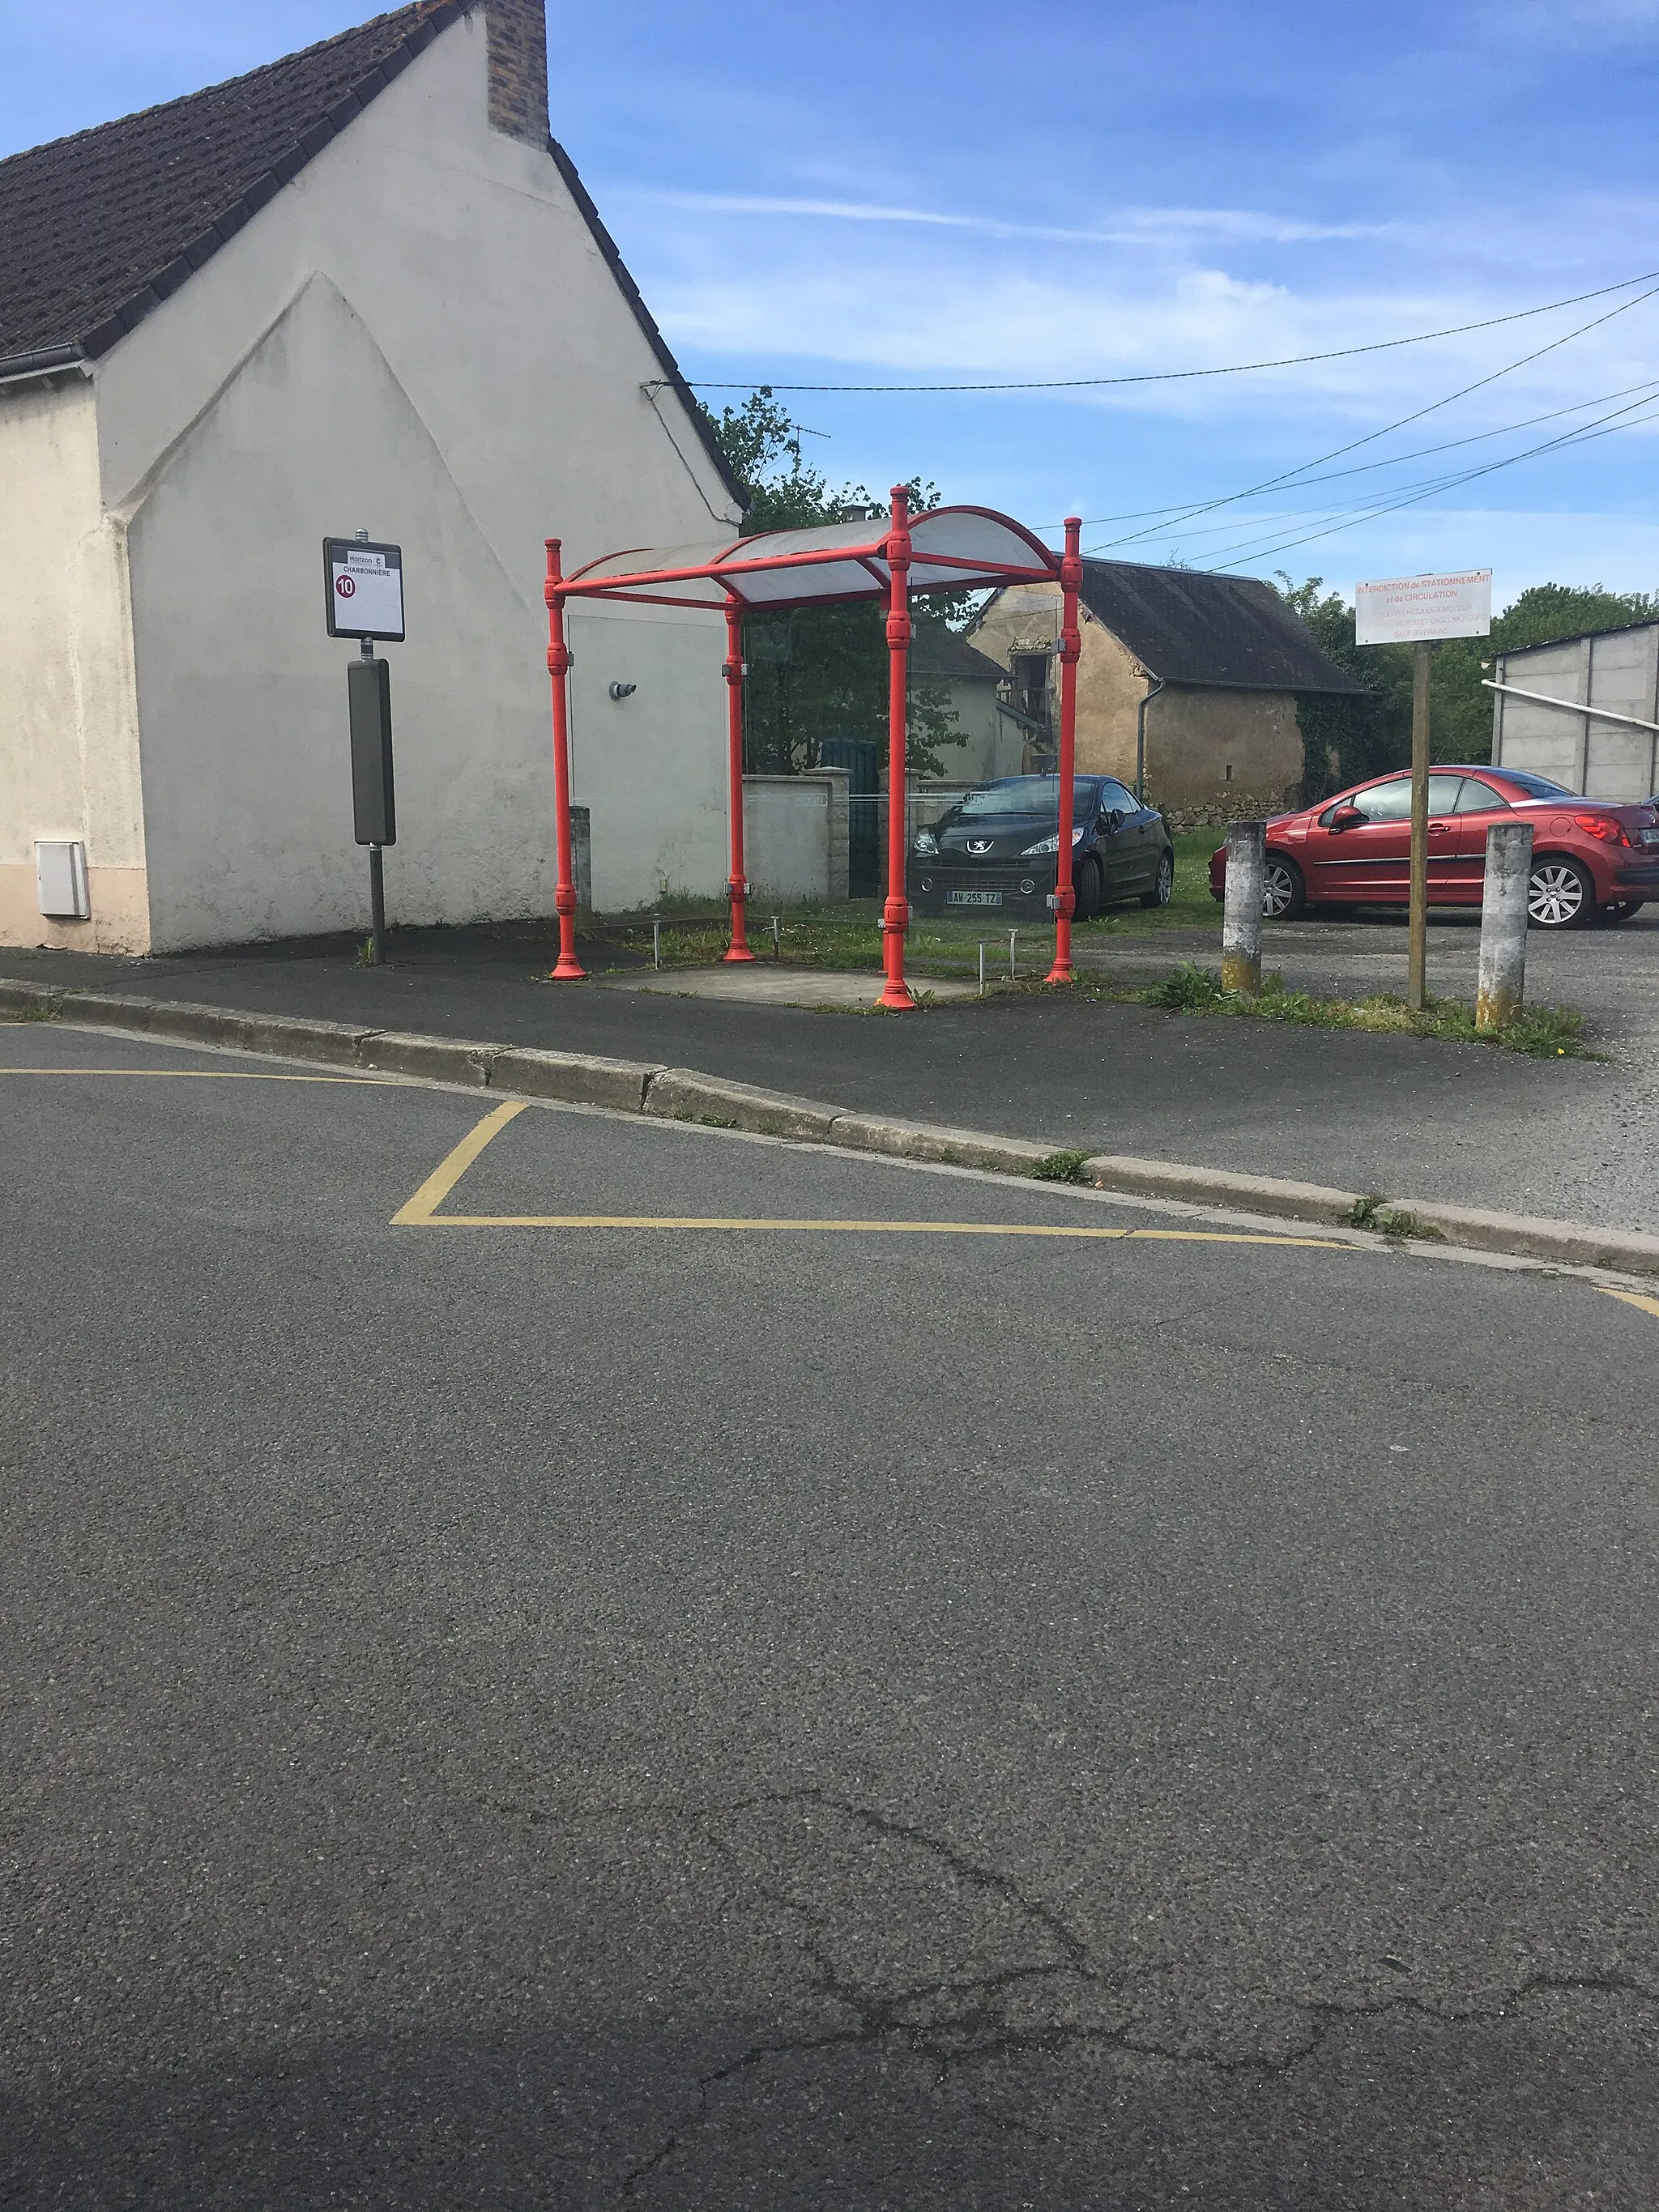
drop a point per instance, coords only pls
(1345, 739)
(820, 672)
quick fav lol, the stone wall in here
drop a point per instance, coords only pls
(1213, 753)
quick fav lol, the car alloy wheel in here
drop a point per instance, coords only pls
(1164, 888)
(1559, 894)
(1281, 890)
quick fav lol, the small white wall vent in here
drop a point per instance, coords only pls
(60, 876)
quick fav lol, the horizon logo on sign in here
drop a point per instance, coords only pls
(365, 584)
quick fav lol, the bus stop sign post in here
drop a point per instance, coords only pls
(365, 595)
(1417, 611)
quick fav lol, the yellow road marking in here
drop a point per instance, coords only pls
(210, 1074)
(450, 1169)
(421, 1213)
(1630, 1299)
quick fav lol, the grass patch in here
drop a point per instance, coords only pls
(1059, 1167)
(848, 935)
(1190, 989)
(1543, 1032)
(1376, 1213)
(36, 1014)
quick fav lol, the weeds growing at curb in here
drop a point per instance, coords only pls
(1376, 1213)
(37, 1014)
(1543, 1032)
(1059, 1167)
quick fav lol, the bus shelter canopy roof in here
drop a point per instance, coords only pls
(951, 548)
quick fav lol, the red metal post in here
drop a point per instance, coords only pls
(1071, 649)
(737, 884)
(558, 667)
(896, 914)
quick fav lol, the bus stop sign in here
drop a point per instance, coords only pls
(364, 587)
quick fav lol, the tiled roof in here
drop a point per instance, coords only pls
(1192, 628)
(98, 230)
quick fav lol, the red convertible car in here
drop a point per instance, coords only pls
(1592, 858)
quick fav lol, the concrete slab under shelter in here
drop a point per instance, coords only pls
(767, 984)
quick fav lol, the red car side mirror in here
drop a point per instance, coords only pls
(1345, 817)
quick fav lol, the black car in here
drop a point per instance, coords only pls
(999, 848)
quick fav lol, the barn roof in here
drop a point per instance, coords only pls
(945, 656)
(1190, 627)
(97, 229)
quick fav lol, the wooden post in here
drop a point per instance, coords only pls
(1418, 948)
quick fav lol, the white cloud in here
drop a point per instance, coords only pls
(922, 322)
(1132, 226)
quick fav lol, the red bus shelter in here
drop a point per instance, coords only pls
(884, 559)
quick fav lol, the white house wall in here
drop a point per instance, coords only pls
(418, 335)
(247, 776)
(69, 752)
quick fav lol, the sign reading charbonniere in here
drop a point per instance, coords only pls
(1413, 610)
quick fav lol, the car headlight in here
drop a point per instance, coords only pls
(926, 842)
(1049, 845)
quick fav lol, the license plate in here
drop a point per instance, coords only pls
(1647, 836)
(972, 898)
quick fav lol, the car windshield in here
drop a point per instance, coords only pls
(1023, 794)
(1535, 786)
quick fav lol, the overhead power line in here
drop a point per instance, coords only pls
(1609, 427)
(1288, 475)
(1178, 507)
(1185, 375)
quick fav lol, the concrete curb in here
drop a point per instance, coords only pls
(684, 1094)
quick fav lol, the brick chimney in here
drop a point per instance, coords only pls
(517, 32)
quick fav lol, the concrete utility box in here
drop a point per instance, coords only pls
(1593, 723)
(60, 877)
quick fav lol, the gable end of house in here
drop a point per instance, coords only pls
(97, 229)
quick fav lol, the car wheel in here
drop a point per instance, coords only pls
(1087, 886)
(1163, 884)
(1560, 894)
(1283, 897)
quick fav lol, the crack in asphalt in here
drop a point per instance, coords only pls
(966, 2024)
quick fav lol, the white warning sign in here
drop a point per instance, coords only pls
(364, 586)
(1411, 609)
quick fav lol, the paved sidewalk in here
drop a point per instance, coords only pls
(1465, 1123)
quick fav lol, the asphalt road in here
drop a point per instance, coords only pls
(517, 1716)
(1399, 1116)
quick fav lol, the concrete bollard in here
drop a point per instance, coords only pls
(1240, 922)
(1503, 985)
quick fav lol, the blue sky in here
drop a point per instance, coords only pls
(919, 193)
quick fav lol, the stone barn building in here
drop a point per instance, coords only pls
(1214, 665)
